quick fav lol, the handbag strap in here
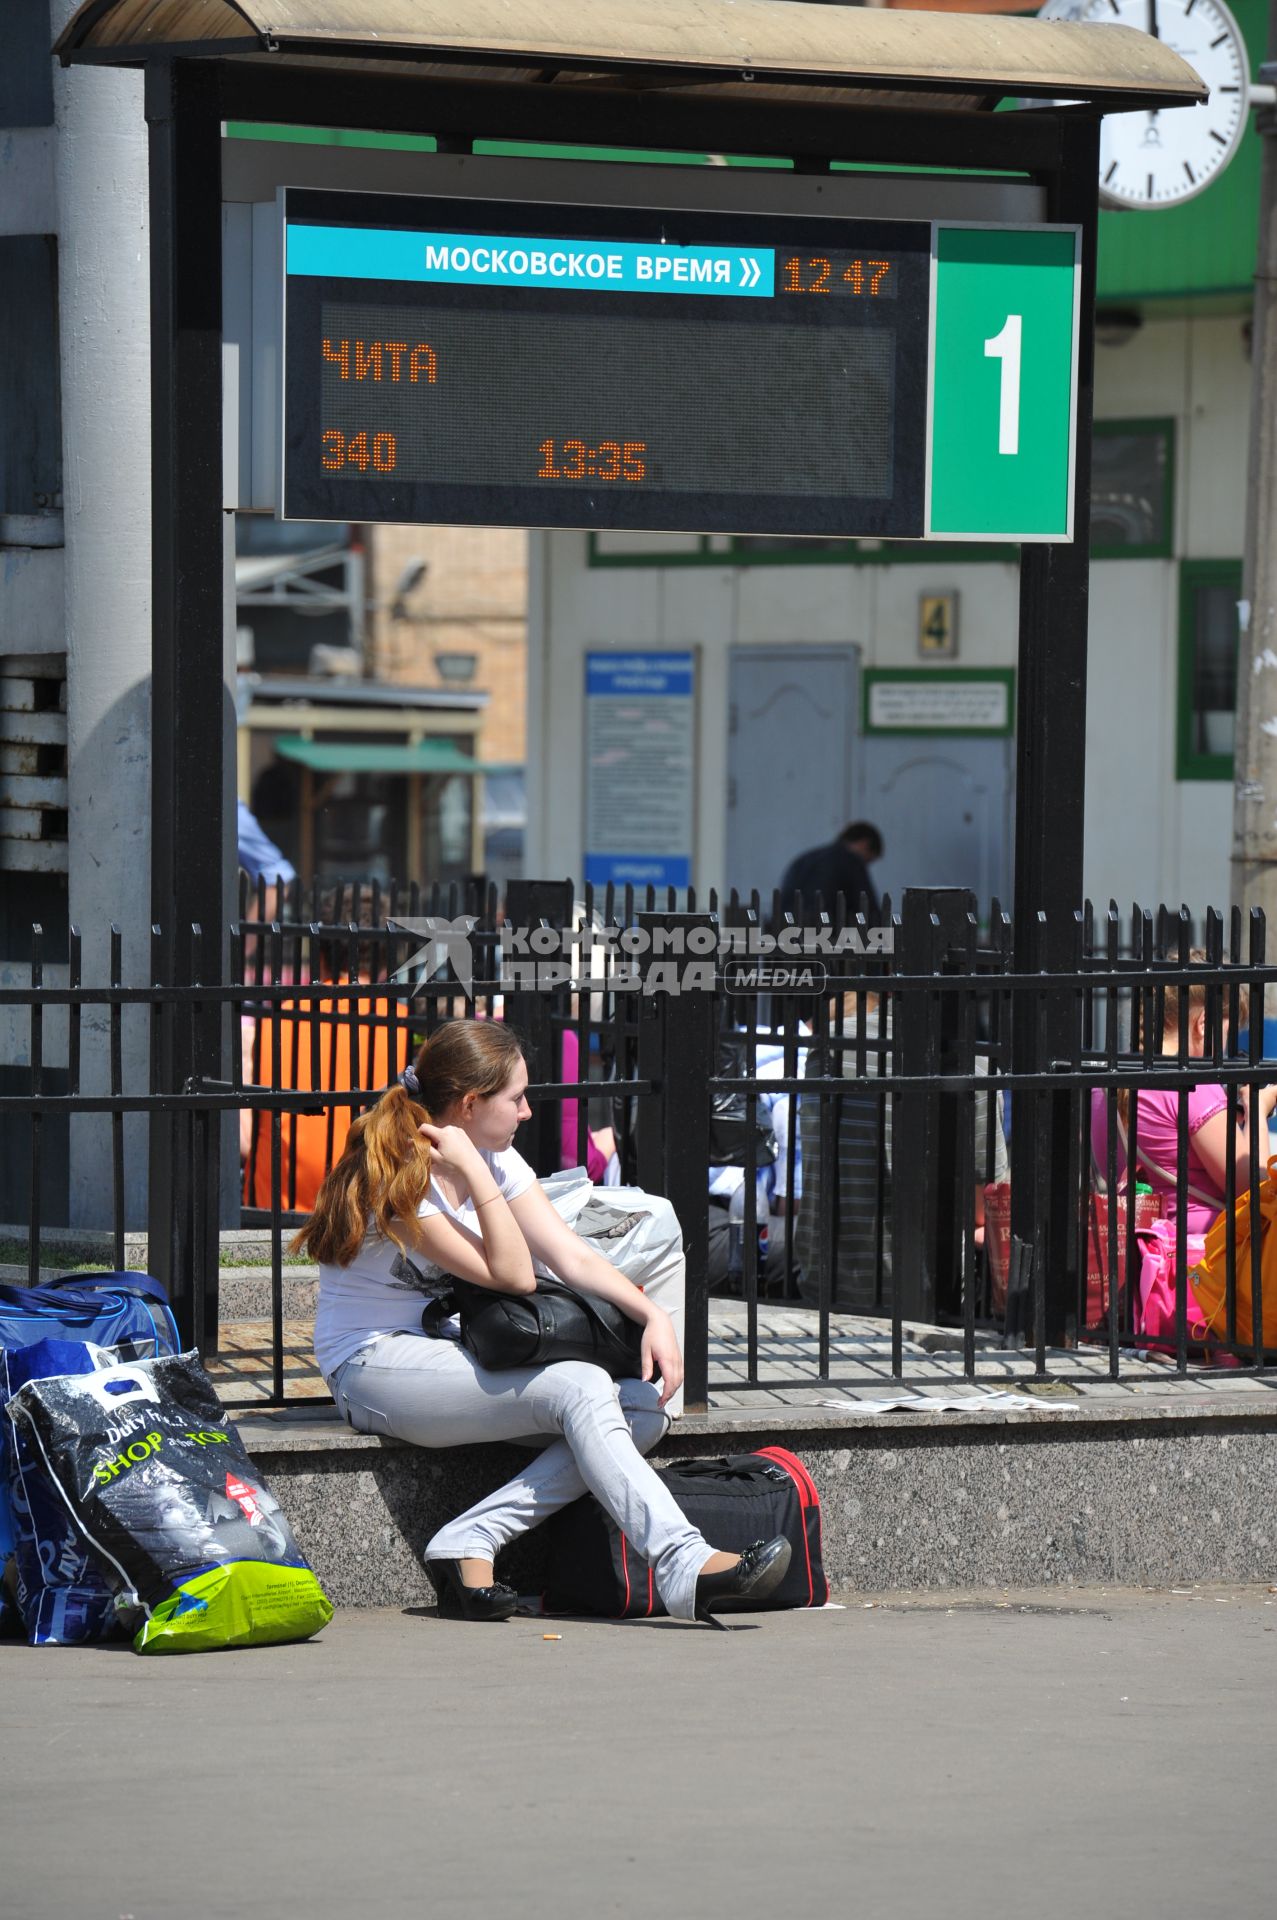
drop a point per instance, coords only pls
(73, 1293)
(435, 1312)
(590, 1306)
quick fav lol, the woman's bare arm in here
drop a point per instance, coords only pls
(497, 1256)
(566, 1254)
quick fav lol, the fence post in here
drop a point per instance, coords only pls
(535, 904)
(927, 1041)
(677, 1031)
(1042, 1290)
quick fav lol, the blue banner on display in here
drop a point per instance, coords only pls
(496, 260)
(644, 673)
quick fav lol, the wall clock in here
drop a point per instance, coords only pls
(1161, 159)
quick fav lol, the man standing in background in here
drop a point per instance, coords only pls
(842, 867)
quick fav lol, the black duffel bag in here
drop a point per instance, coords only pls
(593, 1568)
(504, 1330)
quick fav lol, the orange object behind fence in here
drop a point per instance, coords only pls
(1210, 1278)
(310, 1143)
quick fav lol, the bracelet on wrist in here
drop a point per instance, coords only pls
(488, 1202)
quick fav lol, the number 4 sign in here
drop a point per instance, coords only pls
(1003, 382)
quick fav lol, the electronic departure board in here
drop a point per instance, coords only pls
(469, 361)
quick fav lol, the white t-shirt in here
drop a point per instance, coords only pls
(384, 1290)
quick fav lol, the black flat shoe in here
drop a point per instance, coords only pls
(457, 1601)
(757, 1573)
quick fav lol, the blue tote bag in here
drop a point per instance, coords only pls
(104, 1309)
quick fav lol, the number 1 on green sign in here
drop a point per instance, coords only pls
(1005, 346)
(1003, 378)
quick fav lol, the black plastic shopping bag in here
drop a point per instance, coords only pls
(158, 1482)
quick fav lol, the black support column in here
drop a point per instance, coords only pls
(1050, 764)
(189, 718)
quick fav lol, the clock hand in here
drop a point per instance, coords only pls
(1152, 19)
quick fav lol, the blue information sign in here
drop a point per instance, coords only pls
(639, 749)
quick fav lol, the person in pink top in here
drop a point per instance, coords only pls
(1212, 1113)
(600, 1143)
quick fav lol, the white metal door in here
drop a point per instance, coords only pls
(944, 808)
(791, 727)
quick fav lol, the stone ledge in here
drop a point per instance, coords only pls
(310, 1429)
(1174, 1495)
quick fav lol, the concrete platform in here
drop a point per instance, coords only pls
(993, 1754)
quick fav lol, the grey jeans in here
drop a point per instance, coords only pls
(431, 1393)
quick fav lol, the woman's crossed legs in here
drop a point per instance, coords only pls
(431, 1393)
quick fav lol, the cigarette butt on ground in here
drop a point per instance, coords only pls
(551, 1636)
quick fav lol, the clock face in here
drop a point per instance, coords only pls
(1160, 159)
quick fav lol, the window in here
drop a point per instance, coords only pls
(734, 550)
(33, 804)
(1132, 474)
(26, 71)
(1207, 699)
(30, 396)
(760, 549)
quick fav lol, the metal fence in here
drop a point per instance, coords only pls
(909, 1059)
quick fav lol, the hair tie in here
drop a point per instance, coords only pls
(410, 1083)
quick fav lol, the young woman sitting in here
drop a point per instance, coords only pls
(429, 1186)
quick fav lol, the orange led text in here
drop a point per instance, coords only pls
(383, 360)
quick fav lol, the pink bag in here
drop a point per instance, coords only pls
(1155, 1302)
(1148, 1210)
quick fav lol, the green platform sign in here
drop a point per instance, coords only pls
(1003, 383)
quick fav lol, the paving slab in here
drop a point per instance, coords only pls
(974, 1755)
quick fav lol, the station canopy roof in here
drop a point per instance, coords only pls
(783, 50)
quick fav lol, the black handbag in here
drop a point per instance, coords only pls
(555, 1323)
(732, 1142)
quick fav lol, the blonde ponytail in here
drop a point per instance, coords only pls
(382, 1177)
